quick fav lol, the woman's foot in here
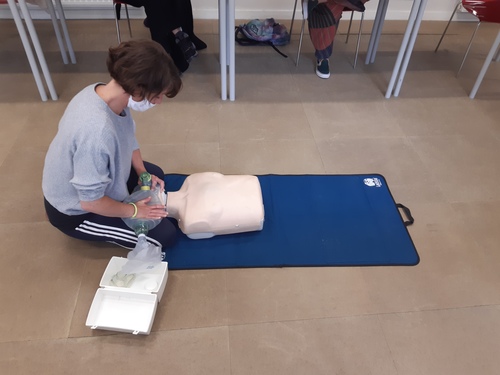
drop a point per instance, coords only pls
(186, 45)
(198, 43)
(181, 64)
(323, 69)
(179, 60)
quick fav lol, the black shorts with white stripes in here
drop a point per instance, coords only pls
(93, 227)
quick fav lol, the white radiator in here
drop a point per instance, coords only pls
(245, 10)
(76, 9)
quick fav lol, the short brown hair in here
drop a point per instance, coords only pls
(143, 68)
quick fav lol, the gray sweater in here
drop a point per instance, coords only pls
(91, 154)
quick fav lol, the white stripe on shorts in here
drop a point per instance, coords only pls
(101, 230)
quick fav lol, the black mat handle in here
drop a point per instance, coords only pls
(407, 212)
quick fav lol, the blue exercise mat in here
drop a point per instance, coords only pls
(310, 220)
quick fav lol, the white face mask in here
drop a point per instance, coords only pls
(141, 106)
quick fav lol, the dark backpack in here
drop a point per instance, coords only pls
(267, 32)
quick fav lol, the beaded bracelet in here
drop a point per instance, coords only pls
(135, 209)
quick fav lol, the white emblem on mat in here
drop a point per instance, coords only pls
(374, 181)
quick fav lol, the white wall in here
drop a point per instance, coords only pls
(282, 9)
(245, 9)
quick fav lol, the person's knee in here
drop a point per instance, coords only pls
(165, 233)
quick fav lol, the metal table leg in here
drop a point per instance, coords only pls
(402, 50)
(27, 48)
(223, 48)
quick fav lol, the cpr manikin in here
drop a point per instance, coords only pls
(209, 204)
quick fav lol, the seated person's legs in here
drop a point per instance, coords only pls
(171, 24)
(187, 24)
(93, 227)
(323, 20)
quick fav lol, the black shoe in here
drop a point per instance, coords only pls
(179, 61)
(178, 58)
(182, 65)
(186, 45)
(198, 43)
(323, 69)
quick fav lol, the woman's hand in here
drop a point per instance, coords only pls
(144, 211)
(156, 180)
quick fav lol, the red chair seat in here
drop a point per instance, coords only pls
(484, 10)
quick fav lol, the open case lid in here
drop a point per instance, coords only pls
(127, 309)
(116, 310)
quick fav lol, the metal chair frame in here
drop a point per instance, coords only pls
(494, 53)
(117, 11)
(470, 42)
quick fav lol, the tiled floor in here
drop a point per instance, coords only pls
(438, 150)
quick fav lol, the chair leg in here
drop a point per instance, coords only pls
(300, 42)
(62, 18)
(117, 15)
(486, 64)
(468, 48)
(128, 21)
(446, 29)
(349, 28)
(53, 16)
(359, 39)
(293, 17)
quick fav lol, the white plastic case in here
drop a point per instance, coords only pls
(129, 309)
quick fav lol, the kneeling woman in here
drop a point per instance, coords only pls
(94, 161)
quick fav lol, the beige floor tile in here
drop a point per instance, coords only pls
(393, 157)
(192, 351)
(257, 122)
(194, 299)
(332, 120)
(491, 110)
(23, 199)
(257, 65)
(454, 271)
(41, 272)
(184, 158)
(12, 125)
(354, 345)
(266, 157)
(177, 122)
(481, 220)
(417, 120)
(40, 128)
(461, 165)
(457, 341)
(268, 295)
(22, 84)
